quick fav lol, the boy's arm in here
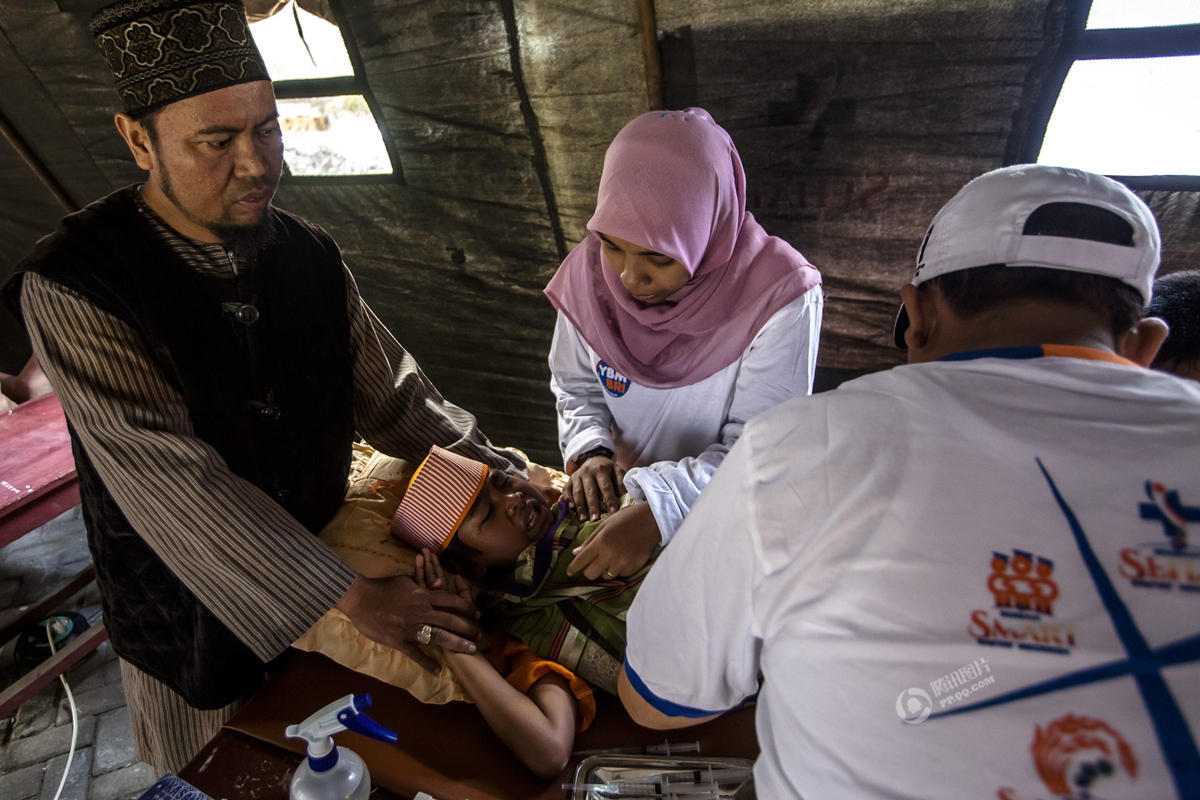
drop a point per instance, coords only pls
(539, 727)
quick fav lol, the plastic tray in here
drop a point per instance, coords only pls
(627, 769)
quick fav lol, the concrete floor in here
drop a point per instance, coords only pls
(34, 741)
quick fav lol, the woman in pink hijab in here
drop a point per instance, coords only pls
(679, 319)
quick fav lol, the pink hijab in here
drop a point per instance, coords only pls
(673, 182)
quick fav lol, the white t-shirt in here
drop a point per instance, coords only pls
(673, 440)
(936, 537)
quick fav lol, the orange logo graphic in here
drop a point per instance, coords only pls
(1018, 584)
(1024, 592)
(1073, 753)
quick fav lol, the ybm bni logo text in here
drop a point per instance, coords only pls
(613, 382)
(1023, 593)
(1169, 563)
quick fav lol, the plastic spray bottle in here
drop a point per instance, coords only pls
(335, 773)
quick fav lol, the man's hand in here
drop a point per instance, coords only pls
(620, 545)
(596, 487)
(392, 611)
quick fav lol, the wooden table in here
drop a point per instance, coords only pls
(37, 470)
(445, 750)
(37, 483)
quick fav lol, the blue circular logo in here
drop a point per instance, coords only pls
(613, 382)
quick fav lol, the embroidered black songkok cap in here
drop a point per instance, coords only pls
(162, 51)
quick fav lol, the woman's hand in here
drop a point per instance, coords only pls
(596, 487)
(620, 545)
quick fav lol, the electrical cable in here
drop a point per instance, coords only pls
(74, 719)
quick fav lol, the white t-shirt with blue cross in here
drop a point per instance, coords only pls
(970, 578)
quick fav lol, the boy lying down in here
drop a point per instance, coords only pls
(514, 539)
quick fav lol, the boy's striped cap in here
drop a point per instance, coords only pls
(440, 494)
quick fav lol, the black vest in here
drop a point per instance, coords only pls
(272, 397)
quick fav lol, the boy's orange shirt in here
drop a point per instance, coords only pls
(523, 668)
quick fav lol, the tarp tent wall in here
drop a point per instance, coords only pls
(856, 120)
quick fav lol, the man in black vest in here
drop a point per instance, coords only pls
(215, 359)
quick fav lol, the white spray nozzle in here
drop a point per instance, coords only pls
(320, 726)
(345, 713)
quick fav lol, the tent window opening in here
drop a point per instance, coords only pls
(1142, 14)
(1126, 106)
(327, 122)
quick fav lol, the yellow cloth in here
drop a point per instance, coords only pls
(359, 534)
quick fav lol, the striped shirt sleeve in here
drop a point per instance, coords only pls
(247, 560)
(397, 408)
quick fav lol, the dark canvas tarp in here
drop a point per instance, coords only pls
(855, 120)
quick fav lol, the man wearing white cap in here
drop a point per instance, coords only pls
(215, 360)
(976, 575)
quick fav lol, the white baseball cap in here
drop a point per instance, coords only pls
(986, 223)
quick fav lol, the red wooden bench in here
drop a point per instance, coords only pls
(37, 483)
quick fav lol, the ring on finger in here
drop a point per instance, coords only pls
(425, 634)
(608, 573)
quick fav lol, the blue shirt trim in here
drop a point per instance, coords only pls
(658, 703)
(1028, 351)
